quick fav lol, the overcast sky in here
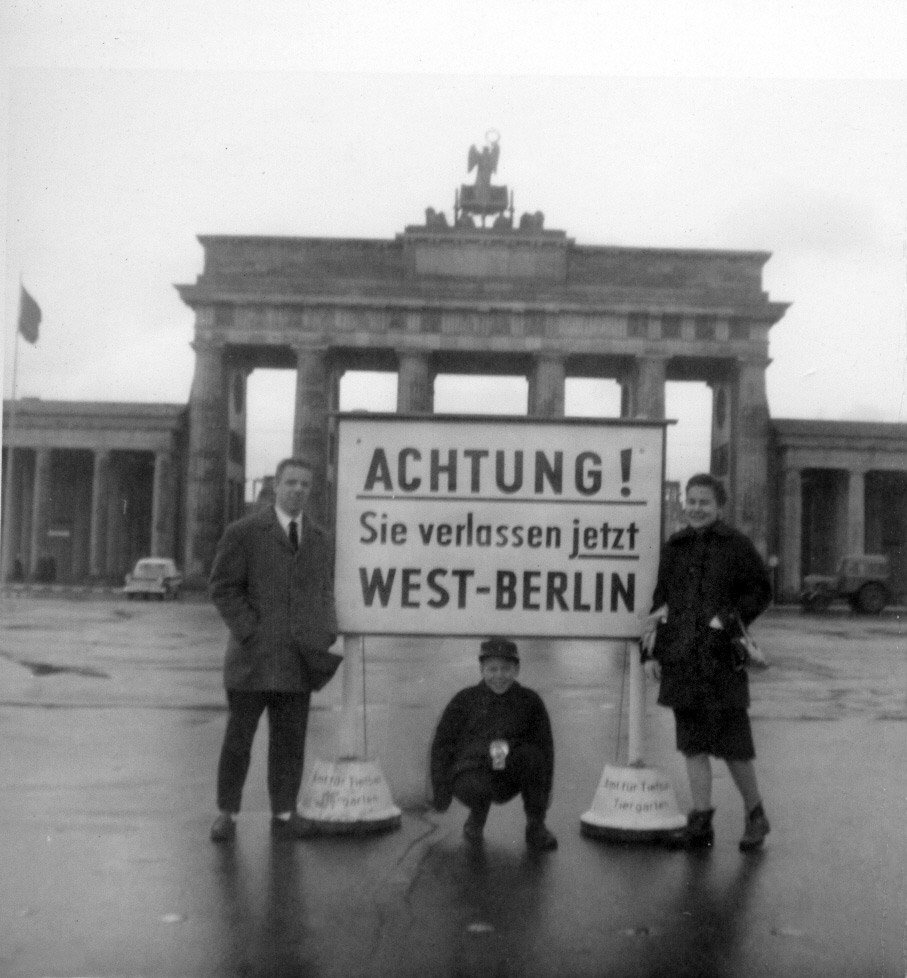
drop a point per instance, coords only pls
(132, 129)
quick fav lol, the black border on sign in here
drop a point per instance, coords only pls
(385, 416)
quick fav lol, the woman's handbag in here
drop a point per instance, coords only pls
(747, 654)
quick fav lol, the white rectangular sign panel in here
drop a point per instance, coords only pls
(489, 526)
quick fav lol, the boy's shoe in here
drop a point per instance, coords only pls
(757, 828)
(539, 837)
(294, 827)
(224, 828)
(696, 834)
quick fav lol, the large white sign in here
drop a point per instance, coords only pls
(484, 526)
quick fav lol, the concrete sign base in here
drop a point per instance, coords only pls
(632, 804)
(348, 796)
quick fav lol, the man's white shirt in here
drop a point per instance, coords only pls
(285, 520)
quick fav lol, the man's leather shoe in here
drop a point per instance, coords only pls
(294, 827)
(224, 828)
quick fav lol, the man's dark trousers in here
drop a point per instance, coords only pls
(288, 715)
(523, 774)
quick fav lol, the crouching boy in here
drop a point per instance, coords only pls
(493, 743)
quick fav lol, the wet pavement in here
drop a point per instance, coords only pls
(111, 717)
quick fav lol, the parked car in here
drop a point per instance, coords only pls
(862, 581)
(154, 575)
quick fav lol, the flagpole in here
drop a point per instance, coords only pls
(7, 562)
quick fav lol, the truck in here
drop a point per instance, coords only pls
(862, 580)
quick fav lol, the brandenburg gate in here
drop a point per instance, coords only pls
(510, 298)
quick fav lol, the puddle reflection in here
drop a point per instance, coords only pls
(707, 918)
(262, 928)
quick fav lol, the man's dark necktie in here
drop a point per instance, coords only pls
(294, 536)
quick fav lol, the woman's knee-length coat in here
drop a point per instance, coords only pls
(702, 575)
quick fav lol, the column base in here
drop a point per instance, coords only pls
(348, 796)
(632, 804)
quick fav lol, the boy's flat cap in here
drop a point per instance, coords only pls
(499, 648)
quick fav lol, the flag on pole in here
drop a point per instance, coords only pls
(29, 316)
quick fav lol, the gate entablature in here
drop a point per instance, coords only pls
(574, 329)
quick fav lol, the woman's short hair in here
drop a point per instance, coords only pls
(708, 481)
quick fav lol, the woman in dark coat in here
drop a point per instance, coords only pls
(710, 579)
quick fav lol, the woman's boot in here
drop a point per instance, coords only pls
(757, 828)
(696, 834)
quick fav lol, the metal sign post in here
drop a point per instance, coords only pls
(349, 794)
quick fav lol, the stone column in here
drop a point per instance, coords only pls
(791, 532)
(627, 397)
(414, 383)
(162, 506)
(749, 453)
(81, 526)
(856, 512)
(207, 463)
(546, 387)
(40, 507)
(115, 520)
(25, 509)
(310, 426)
(647, 398)
(100, 492)
(335, 375)
(11, 525)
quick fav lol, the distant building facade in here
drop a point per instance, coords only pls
(839, 487)
(97, 486)
(92, 487)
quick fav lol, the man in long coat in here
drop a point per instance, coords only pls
(272, 584)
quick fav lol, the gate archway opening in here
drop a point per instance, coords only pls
(368, 390)
(480, 394)
(590, 397)
(689, 440)
(270, 397)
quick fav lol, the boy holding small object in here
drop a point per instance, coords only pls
(492, 743)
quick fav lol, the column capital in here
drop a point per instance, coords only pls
(409, 353)
(304, 347)
(754, 360)
(205, 343)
